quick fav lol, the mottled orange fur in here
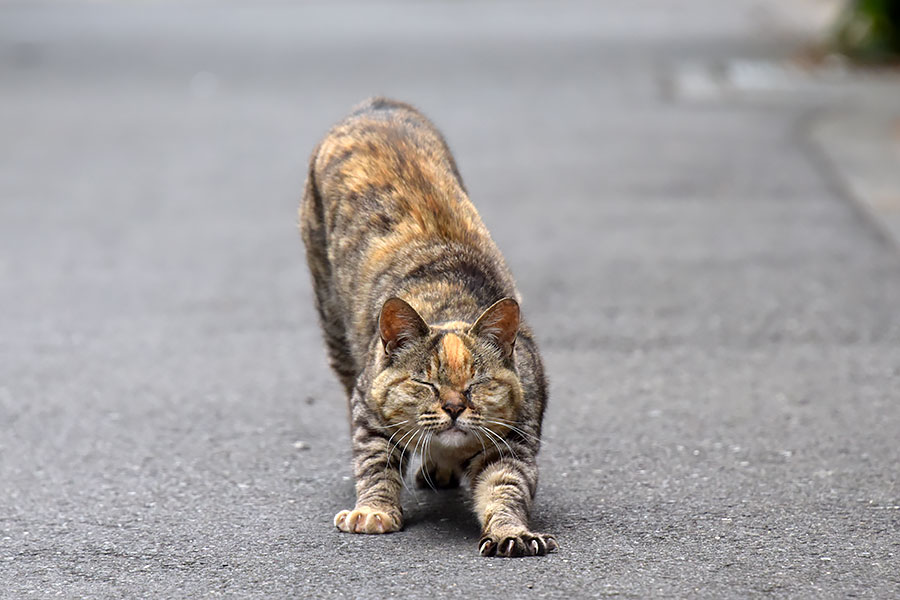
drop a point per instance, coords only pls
(457, 358)
(421, 317)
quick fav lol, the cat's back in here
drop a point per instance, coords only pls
(376, 142)
(385, 170)
(385, 214)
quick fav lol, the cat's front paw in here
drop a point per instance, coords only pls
(365, 519)
(512, 544)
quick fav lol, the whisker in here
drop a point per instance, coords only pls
(390, 425)
(400, 462)
(425, 453)
(491, 439)
(397, 445)
(394, 448)
(510, 424)
(503, 421)
(416, 449)
(516, 429)
(499, 437)
(391, 439)
(402, 480)
(481, 439)
(414, 432)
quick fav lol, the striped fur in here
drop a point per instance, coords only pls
(421, 320)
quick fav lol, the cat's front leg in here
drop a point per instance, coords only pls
(378, 486)
(502, 492)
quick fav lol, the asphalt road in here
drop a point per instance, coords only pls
(720, 323)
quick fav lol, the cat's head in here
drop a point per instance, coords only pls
(454, 380)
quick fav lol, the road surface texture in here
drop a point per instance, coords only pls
(720, 321)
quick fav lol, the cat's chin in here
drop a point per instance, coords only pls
(453, 436)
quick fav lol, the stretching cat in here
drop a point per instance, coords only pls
(418, 311)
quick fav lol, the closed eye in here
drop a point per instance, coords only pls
(426, 383)
(476, 382)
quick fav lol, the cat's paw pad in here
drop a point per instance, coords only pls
(524, 544)
(364, 519)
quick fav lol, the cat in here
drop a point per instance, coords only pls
(422, 324)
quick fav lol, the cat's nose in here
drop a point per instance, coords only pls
(454, 409)
(453, 403)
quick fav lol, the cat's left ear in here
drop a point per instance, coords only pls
(500, 324)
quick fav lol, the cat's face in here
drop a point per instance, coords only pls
(453, 384)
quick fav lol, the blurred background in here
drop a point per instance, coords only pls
(701, 203)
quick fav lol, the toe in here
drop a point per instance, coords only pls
(340, 520)
(377, 524)
(370, 523)
(487, 547)
(511, 546)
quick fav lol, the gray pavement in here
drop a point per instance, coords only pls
(719, 320)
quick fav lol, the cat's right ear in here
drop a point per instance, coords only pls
(399, 324)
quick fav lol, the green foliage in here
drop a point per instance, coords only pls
(869, 31)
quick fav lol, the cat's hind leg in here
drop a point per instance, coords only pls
(312, 228)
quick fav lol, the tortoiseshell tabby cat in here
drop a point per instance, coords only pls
(422, 326)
